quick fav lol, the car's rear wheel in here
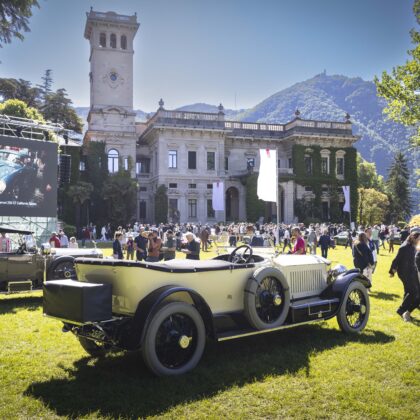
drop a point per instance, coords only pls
(354, 311)
(175, 339)
(267, 299)
(94, 348)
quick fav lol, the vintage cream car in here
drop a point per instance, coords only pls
(168, 309)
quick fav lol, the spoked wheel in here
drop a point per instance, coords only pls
(267, 299)
(94, 348)
(63, 270)
(174, 340)
(354, 312)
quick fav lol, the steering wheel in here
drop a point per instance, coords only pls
(241, 257)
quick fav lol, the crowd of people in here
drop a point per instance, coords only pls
(153, 243)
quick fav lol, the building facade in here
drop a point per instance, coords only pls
(188, 151)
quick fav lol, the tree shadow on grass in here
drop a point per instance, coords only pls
(385, 296)
(29, 303)
(121, 386)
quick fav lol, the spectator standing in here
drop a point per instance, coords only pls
(349, 239)
(130, 247)
(73, 243)
(325, 243)
(375, 237)
(64, 240)
(140, 245)
(391, 239)
(299, 246)
(405, 265)
(169, 246)
(286, 240)
(116, 246)
(54, 241)
(5, 245)
(362, 255)
(204, 237)
(312, 241)
(193, 248)
(153, 247)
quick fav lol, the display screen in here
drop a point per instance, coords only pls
(28, 177)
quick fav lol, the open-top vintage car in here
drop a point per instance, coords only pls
(25, 266)
(168, 309)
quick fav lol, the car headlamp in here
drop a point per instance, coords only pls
(2, 186)
(335, 272)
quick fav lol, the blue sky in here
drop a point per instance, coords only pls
(189, 51)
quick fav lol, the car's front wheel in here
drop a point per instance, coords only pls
(354, 312)
(174, 340)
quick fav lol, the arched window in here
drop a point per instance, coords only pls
(102, 40)
(113, 157)
(123, 42)
(113, 41)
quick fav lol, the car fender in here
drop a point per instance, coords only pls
(149, 305)
(53, 264)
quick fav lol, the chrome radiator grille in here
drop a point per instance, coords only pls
(304, 281)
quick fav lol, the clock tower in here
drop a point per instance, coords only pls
(111, 117)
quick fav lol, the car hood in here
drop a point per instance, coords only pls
(76, 252)
(7, 169)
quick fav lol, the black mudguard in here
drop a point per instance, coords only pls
(149, 305)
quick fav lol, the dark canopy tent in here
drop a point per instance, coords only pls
(7, 229)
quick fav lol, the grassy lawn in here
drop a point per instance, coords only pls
(307, 372)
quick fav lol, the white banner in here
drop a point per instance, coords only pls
(346, 191)
(218, 198)
(267, 177)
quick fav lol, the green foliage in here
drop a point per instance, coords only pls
(398, 190)
(20, 89)
(18, 108)
(79, 193)
(14, 19)
(367, 175)
(120, 193)
(161, 204)
(401, 87)
(70, 230)
(255, 208)
(373, 206)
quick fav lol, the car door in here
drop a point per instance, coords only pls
(21, 266)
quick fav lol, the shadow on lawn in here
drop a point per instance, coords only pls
(29, 303)
(384, 296)
(121, 386)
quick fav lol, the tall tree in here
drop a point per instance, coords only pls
(401, 87)
(46, 84)
(398, 189)
(20, 89)
(373, 206)
(79, 193)
(367, 175)
(58, 108)
(14, 19)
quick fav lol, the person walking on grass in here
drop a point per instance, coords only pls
(116, 246)
(325, 243)
(405, 265)
(362, 255)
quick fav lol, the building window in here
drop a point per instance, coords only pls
(290, 163)
(209, 186)
(192, 186)
(226, 163)
(308, 189)
(211, 165)
(308, 165)
(126, 164)
(192, 208)
(325, 167)
(250, 163)
(210, 211)
(278, 164)
(143, 166)
(142, 210)
(102, 40)
(82, 166)
(173, 209)
(172, 156)
(113, 41)
(173, 185)
(123, 42)
(192, 160)
(113, 157)
(143, 189)
(340, 166)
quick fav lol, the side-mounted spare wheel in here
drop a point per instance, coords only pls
(355, 307)
(174, 340)
(267, 298)
(62, 268)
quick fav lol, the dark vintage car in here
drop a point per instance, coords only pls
(25, 265)
(17, 177)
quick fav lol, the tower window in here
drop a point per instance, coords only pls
(113, 41)
(102, 40)
(113, 157)
(123, 42)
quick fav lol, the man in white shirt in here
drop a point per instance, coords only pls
(286, 239)
(64, 240)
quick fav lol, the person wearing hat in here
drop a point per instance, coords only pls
(130, 247)
(169, 247)
(193, 248)
(140, 245)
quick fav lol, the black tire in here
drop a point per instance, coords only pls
(266, 299)
(174, 340)
(63, 269)
(94, 348)
(355, 308)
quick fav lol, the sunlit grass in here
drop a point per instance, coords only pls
(308, 372)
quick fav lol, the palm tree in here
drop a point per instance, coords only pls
(80, 193)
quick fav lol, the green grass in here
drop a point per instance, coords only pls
(307, 372)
